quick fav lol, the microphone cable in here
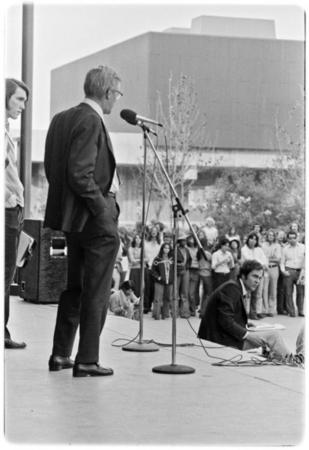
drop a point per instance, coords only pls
(237, 360)
(127, 341)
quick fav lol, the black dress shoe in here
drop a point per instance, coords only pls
(56, 363)
(91, 370)
(8, 343)
(301, 315)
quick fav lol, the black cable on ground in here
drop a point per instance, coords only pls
(235, 361)
(239, 361)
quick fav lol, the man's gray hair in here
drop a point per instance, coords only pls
(99, 80)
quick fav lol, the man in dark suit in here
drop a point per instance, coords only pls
(81, 172)
(225, 319)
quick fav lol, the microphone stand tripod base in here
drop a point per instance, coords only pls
(173, 369)
(141, 346)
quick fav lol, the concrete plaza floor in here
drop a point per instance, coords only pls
(244, 405)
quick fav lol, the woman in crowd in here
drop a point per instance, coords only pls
(222, 263)
(134, 257)
(152, 247)
(234, 247)
(232, 234)
(205, 273)
(194, 278)
(125, 242)
(163, 275)
(252, 250)
(272, 251)
(258, 230)
(200, 234)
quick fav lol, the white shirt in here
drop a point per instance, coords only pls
(293, 256)
(152, 249)
(272, 252)
(222, 262)
(243, 287)
(94, 105)
(211, 234)
(253, 253)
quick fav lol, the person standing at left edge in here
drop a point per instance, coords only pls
(16, 97)
(81, 171)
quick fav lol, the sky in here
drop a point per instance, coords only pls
(65, 32)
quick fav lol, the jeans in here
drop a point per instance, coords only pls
(273, 273)
(13, 225)
(183, 292)
(194, 279)
(162, 300)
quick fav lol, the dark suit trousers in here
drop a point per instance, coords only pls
(13, 227)
(91, 258)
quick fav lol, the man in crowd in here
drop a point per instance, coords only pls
(183, 263)
(281, 297)
(17, 94)
(225, 319)
(81, 172)
(293, 270)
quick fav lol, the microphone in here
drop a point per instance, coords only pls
(131, 117)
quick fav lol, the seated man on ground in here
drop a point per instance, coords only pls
(124, 302)
(225, 319)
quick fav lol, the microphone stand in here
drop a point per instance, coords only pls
(178, 212)
(141, 345)
(174, 368)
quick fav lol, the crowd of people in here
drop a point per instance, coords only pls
(201, 269)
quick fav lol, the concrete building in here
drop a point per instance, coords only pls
(236, 27)
(248, 85)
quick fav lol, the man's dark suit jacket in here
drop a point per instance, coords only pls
(224, 320)
(80, 162)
